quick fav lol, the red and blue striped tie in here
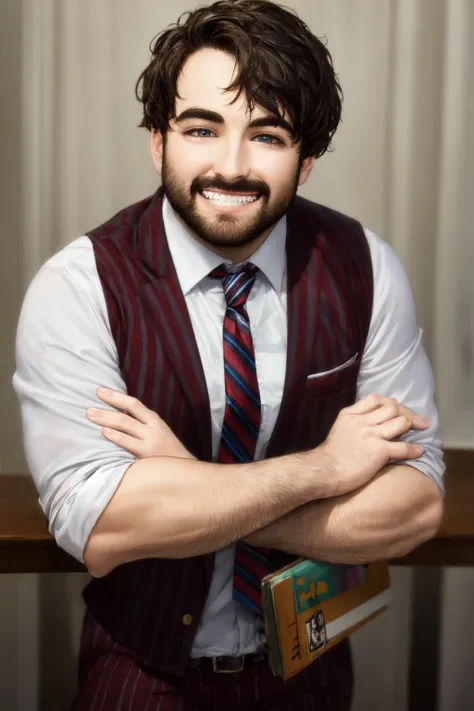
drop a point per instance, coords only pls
(242, 416)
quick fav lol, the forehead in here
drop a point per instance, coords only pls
(205, 75)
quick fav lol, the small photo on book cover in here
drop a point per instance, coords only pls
(316, 631)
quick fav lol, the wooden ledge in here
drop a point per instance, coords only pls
(27, 547)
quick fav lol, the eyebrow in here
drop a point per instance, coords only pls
(214, 117)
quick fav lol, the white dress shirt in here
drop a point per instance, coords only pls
(65, 350)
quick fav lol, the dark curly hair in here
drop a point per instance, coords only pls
(279, 63)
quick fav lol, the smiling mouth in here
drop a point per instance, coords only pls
(220, 198)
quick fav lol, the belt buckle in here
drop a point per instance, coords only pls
(218, 670)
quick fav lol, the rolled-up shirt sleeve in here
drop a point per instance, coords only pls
(64, 351)
(395, 363)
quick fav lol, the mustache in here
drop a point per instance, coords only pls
(238, 186)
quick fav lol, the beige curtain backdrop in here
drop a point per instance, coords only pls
(403, 164)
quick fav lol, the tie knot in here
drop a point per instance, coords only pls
(236, 285)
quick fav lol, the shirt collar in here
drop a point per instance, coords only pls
(193, 261)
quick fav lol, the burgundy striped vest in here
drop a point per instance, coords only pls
(153, 607)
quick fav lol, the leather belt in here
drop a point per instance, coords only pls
(227, 665)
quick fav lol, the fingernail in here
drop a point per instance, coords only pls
(102, 391)
(419, 449)
(92, 412)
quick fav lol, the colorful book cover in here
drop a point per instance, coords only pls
(309, 606)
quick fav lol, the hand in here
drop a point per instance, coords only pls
(360, 441)
(136, 429)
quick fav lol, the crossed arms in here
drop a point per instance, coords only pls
(341, 502)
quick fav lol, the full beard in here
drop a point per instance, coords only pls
(226, 230)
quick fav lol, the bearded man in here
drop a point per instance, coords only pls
(267, 394)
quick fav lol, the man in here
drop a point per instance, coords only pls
(263, 367)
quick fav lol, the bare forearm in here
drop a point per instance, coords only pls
(388, 517)
(172, 508)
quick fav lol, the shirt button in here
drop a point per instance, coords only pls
(187, 620)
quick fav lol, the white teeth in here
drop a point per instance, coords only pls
(226, 199)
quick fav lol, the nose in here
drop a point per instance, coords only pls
(233, 160)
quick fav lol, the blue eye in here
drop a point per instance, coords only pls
(199, 132)
(272, 142)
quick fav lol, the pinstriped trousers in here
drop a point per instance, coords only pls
(111, 679)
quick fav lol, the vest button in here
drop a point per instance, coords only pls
(187, 620)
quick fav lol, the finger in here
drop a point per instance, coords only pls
(386, 412)
(394, 427)
(127, 403)
(405, 450)
(391, 410)
(124, 441)
(367, 404)
(117, 421)
(418, 422)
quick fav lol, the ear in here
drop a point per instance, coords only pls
(156, 148)
(305, 170)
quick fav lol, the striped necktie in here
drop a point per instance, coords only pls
(242, 416)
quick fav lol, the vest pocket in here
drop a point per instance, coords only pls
(333, 380)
